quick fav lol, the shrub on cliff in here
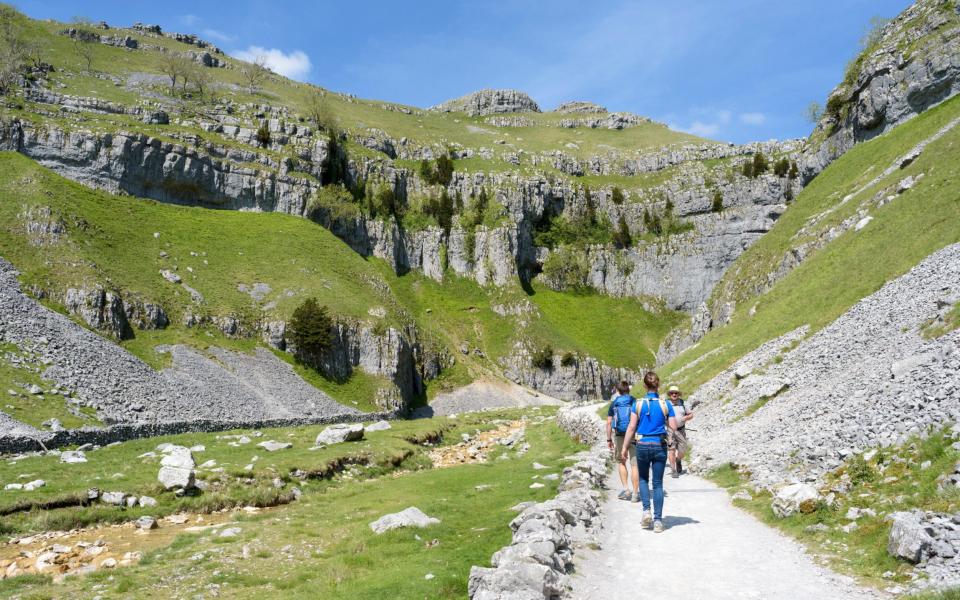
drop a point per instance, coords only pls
(717, 205)
(310, 331)
(566, 269)
(542, 358)
(616, 196)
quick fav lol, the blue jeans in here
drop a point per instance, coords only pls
(652, 456)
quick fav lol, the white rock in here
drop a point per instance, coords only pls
(35, 484)
(272, 446)
(146, 501)
(336, 434)
(379, 426)
(794, 498)
(408, 517)
(73, 456)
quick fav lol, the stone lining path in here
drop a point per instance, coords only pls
(710, 550)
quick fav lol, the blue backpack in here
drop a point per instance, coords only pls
(622, 407)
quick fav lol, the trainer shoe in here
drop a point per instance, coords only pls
(624, 495)
(675, 475)
(658, 526)
(636, 497)
(647, 518)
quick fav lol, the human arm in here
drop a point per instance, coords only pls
(628, 438)
(609, 429)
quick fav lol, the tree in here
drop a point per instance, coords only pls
(760, 164)
(717, 204)
(794, 171)
(319, 111)
(621, 237)
(616, 196)
(263, 134)
(781, 167)
(591, 208)
(198, 76)
(255, 73)
(175, 67)
(480, 206)
(444, 170)
(813, 112)
(310, 331)
(12, 49)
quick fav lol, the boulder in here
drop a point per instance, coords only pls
(115, 498)
(794, 498)
(177, 468)
(515, 581)
(272, 446)
(378, 426)
(340, 433)
(73, 456)
(35, 484)
(146, 501)
(909, 537)
(408, 517)
(146, 523)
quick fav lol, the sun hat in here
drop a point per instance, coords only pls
(673, 388)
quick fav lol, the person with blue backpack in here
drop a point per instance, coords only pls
(649, 421)
(618, 418)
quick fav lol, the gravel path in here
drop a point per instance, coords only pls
(710, 550)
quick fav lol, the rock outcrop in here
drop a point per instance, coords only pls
(911, 66)
(489, 102)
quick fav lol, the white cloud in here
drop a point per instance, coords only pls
(753, 118)
(702, 129)
(217, 35)
(295, 65)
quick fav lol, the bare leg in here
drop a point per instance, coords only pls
(622, 469)
(635, 471)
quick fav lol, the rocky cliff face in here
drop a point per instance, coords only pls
(912, 65)
(490, 102)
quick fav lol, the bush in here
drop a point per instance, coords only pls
(564, 231)
(717, 204)
(263, 135)
(568, 359)
(334, 167)
(794, 171)
(332, 203)
(781, 167)
(760, 164)
(747, 169)
(616, 196)
(542, 358)
(385, 203)
(566, 269)
(621, 237)
(439, 173)
(310, 331)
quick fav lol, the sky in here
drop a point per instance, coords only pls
(732, 70)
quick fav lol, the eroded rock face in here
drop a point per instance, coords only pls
(490, 102)
(913, 68)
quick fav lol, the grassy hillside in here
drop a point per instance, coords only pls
(259, 266)
(145, 64)
(914, 224)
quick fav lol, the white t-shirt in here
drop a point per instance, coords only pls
(679, 410)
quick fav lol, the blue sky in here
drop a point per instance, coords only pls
(736, 70)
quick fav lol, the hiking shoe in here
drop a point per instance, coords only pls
(636, 497)
(624, 495)
(676, 475)
(647, 519)
(658, 526)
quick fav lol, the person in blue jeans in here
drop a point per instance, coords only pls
(649, 421)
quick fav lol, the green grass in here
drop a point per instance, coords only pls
(863, 552)
(332, 553)
(854, 265)
(951, 321)
(950, 594)
(618, 331)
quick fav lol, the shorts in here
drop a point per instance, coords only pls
(677, 440)
(618, 448)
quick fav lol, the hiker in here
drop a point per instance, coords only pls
(677, 439)
(618, 418)
(649, 421)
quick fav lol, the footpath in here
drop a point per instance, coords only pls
(710, 550)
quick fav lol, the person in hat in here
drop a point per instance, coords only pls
(677, 438)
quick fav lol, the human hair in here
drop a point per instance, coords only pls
(651, 381)
(623, 387)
